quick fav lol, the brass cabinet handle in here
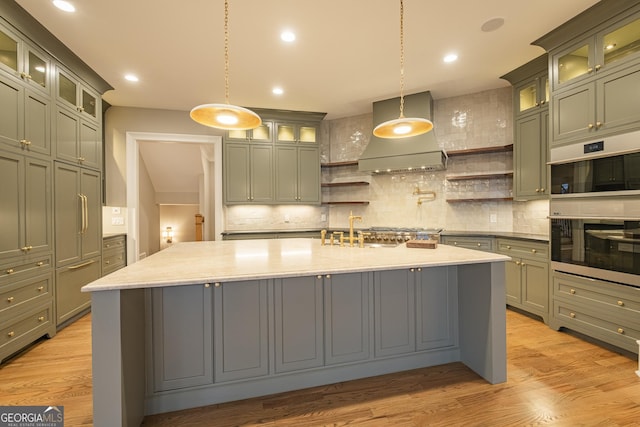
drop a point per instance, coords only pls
(620, 331)
(10, 271)
(597, 67)
(542, 190)
(412, 270)
(419, 268)
(25, 142)
(39, 264)
(207, 285)
(598, 125)
(41, 319)
(10, 300)
(328, 276)
(533, 251)
(517, 262)
(572, 315)
(107, 262)
(217, 284)
(319, 276)
(479, 244)
(572, 291)
(590, 125)
(40, 288)
(508, 246)
(84, 264)
(11, 334)
(621, 303)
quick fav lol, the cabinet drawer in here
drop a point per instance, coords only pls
(478, 243)
(615, 300)
(112, 261)
(523, 249)
(21, 294)
(20, 268)
(26, 324)
(583, 319)
(115, 242)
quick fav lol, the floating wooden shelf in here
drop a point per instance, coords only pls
(481, 150)
(479, 175)
(481, 199)
(346, 203)
(336, 164)
(343, 184)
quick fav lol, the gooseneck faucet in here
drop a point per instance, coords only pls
(352, 218)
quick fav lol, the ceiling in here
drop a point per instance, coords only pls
(346, 54)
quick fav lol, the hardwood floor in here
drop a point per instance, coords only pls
(554, 379)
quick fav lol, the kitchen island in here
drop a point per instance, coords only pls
(208, 322)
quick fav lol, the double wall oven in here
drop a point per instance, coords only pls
(595, 209)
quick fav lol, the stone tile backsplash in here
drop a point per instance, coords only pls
(477, 120)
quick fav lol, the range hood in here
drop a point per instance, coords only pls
(416, 152)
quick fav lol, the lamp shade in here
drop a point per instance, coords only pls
(403, 127)
(225, 116)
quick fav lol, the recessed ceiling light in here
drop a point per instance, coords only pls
(492, 24)
(277, 91)
(131, 78)
(287, 36)
(451, 57)
(64, 5)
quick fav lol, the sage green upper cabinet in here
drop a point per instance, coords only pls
(263, 133)
(595, 69)
(296, 133)
(248, 173)
(531, 128)
(276, 163)
(23, 61)
(297, 174)
(78, 141)
(73, 94)
(532, 94)
(25, 122)
(615, 46)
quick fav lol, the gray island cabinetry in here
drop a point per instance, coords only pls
(208, 322)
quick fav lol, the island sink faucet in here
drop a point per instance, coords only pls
(352, 218)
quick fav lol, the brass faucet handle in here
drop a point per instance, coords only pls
(323, 236)
(361, 239)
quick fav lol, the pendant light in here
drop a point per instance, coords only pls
(402, 127)
(225, 116)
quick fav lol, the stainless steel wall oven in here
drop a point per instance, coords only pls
(595, 209)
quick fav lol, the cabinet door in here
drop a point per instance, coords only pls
(535, 285)
(394, 312)
(182, 337)
(70, 301)
(527, 154)
(262, 174)
(38, 205)
(346, 300)
(12, 202)
(513, 282)
(68, 208)
(286, 174)
(67, 135)
(298, 323)
(308, 175)
(12, 107)
(436, 309)
(90, 145)
(241, 330)
(90, 188)
(574, 114)
(37, 122)
(617, 108)
(236, 173)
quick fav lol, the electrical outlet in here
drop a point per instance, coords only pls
(323, 217)
(287, 218)
(117, 220)
(493, 218)
(115, 210)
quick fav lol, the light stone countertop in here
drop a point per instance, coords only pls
(235, 260)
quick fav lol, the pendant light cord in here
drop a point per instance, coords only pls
(401, 59)
(226, 51)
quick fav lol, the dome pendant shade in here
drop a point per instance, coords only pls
(403, 127)
(225, 116)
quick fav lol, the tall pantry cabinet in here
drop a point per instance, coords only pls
(50, 181)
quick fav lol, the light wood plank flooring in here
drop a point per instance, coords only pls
(554, 379)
